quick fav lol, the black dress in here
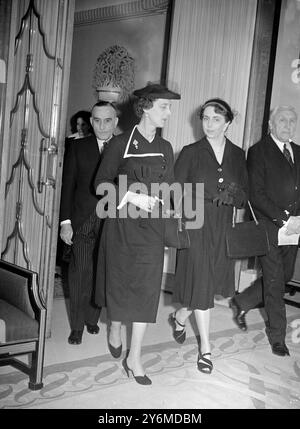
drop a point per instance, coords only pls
(204, 270)
(131, 253)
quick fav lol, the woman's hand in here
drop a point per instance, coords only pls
(231, 195)
(224, 197)
(293, 225)
(143, 201)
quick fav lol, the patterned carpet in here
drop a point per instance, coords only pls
(246, 375)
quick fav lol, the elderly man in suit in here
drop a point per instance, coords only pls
(274, 182)
(80, 225)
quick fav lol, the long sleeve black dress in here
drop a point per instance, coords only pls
(131, 253)
(204, 270)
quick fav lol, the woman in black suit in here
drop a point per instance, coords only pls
(131, 252)
(204, 269)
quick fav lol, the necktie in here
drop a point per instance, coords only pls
(102, 147)
(288, 156)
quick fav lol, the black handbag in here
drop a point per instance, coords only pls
(176, 234)
(246, 239)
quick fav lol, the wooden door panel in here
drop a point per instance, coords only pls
(30, 123)
(40, 67)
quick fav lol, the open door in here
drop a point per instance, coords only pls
(40, 39)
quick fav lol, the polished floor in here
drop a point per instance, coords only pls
(246, 374)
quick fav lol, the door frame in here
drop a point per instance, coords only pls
(65, 50)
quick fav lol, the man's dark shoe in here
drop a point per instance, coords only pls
(239, 315)
(75, 337)
(280, 349)
(92, 329)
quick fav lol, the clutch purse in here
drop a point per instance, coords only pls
(246, 239)
(176, 234)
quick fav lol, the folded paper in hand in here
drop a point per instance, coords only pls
(285, 239)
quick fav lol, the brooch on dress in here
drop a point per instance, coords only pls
(135, 144)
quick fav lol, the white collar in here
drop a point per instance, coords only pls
(100, 141)
(141, 155)
(281, 145)
(101, 144)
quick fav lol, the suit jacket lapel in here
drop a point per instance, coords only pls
(296, 161)
(276, 152)
(93, 148)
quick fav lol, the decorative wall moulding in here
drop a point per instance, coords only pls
(109, 93)
(121, 11)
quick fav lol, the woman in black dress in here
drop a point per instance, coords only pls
(80, 126)
(204, 270)
(131, 252)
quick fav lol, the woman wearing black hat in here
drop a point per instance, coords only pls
(204, 270)
(131, 252)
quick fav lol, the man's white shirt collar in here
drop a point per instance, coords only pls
(101, 144)
(281, 145)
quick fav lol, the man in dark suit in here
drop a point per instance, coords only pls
(80, 226)
(274, 183)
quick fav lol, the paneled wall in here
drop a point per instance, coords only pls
(259, 75)
(210, 56)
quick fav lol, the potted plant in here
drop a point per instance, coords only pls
(114, 75)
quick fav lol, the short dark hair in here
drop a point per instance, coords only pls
(220, 106)
(142, 103)
(84, 114)
(106, 103)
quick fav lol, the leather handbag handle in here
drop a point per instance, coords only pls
(179, 224)
(235, 212)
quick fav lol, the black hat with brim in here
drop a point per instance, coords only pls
(154, 91)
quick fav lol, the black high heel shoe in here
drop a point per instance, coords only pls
(178, 335)
(115, 351)
(204, 365)
(140, 379)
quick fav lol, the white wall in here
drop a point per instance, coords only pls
(286, 81)
(210, 56)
